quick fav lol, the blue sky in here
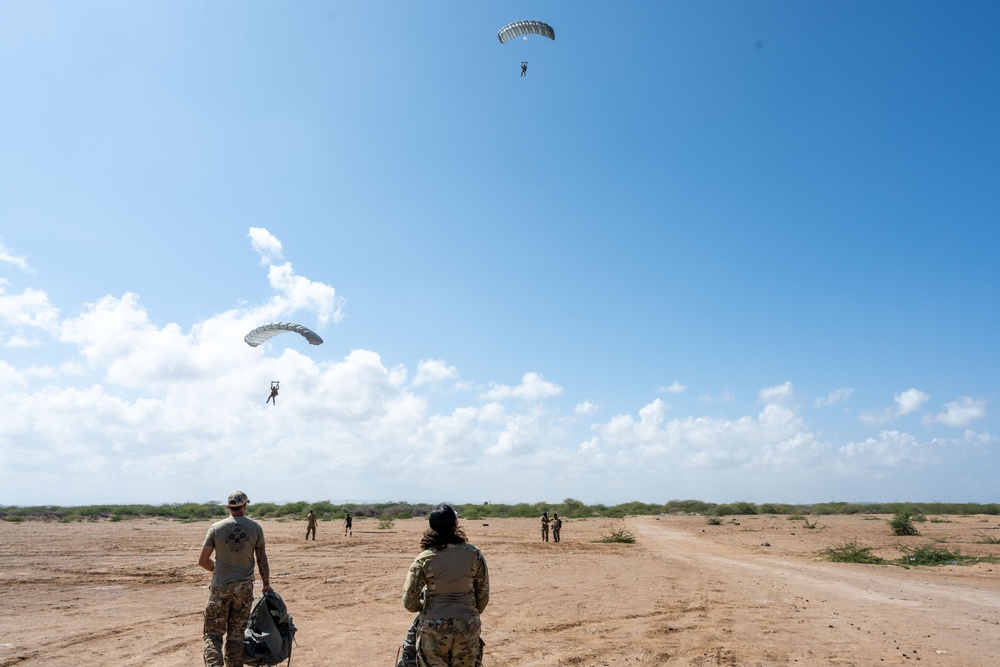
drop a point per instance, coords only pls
(725, 251)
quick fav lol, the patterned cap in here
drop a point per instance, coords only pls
(237, 499)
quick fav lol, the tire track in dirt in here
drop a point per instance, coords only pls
(829, 613)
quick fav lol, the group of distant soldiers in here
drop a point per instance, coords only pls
(555, 523)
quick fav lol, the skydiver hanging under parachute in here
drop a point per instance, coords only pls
(525, 28)
(264, 333)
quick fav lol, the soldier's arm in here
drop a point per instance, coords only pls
(481, 583)
(265, 570)
(411, 589)
(205, 560)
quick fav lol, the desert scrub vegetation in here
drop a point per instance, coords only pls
(850, 552)
(617, 536)
(385, 522)
(934, 554)
(902, 524)
(931, 554)
(987, 539)
(713, 521)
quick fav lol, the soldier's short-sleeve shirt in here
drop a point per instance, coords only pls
(235, 540)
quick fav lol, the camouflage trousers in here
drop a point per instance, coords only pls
(545, 533)
(449, 642)
(226, 616)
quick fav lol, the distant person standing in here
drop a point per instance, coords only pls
(237, 542)
(311, 525)
(545, 526)
(348, 525)
(556, 526)
(449, 585)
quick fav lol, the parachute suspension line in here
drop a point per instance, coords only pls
(274, 384)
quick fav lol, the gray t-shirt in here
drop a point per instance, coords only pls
(234, 540)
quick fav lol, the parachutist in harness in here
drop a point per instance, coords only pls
(274, 393)
(524, 67)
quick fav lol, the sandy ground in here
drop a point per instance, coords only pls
(130, 593)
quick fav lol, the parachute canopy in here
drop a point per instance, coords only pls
(264, 333)
(518, 28)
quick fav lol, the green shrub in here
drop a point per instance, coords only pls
(902, 524)
(385, 522)
(850, 552)
(713, 521)
(620, 535)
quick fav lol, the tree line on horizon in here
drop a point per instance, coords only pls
(569, 508)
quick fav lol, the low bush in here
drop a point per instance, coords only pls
(620, 535)
(850, 552)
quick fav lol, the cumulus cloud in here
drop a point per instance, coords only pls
(674, 388)
(266, 244)
(959, 413)
(779, 394)
(889, 450)
(906, 403)
(7, 256)
(834, 397)
(431, 371)
(130, 410)
(532, 388)
(24, 315)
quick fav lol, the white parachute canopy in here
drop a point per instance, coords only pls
(266, 332)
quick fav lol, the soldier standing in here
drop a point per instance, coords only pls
(237, 542)
(545, 526)
(311, 525)
(556, 526)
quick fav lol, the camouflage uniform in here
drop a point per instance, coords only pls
(457, 590)
(556, 527)
(237, 542)
(545, 527)
(226, 616)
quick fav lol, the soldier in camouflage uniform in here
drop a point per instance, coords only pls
(237, 542)
(556, 526)
(456, 584)
(545, 526)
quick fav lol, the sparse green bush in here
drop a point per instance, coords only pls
(988, 539)
(902, 524)
(850, 552)
(806, 524)
(620, 535)
(713, 521)
(385, 522)
(14, 519)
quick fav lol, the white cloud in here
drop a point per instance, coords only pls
(959, 413)
(779, 394)
(891, 449)
(129, 410)
(24, 315)
(906, 403)
(431, 371)
(834, 397)
(266, 245)
(533, 387)
(8, 257)
(674, 388)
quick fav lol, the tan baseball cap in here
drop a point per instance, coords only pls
(237, 499)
